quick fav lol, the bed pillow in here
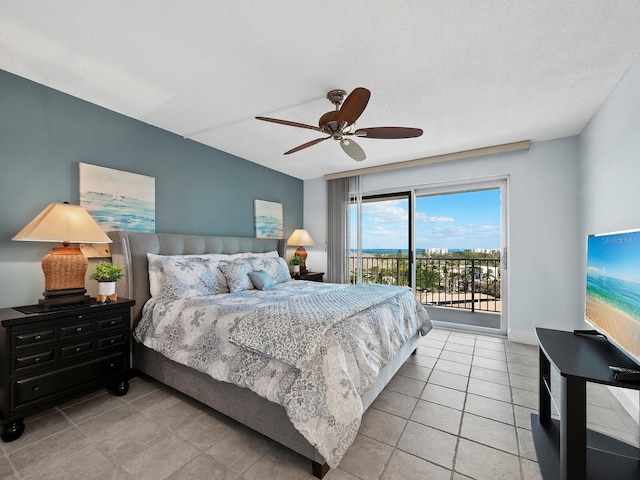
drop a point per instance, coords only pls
(156, 271)
(233, 256)
(261, 280)
(187, 277)
(277, 268)
(237, 276)
(273, 254)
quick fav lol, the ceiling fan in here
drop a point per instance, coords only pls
(339, 124)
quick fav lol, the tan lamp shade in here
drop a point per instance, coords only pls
(64, 267)
(63, 223)
(301, 238)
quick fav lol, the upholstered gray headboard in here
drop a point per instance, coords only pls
(130, 249)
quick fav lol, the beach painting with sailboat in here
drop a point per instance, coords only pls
(118, 200)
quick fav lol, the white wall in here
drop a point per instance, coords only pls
(545, 240)
(315, 222)
(609, 149)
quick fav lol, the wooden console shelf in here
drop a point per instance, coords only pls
(566, 450)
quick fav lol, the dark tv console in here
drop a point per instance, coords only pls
(566, 449)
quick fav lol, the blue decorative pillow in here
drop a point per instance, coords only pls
(237, 276)
(261, 280)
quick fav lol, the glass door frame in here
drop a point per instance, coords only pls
(487, 183)
(409, 195)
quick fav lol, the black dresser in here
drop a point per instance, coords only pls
(48, 356)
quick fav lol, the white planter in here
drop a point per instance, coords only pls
(106, 288)
(295, 269)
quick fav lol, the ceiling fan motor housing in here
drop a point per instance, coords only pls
(329, 122)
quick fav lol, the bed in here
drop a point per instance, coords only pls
(267, 416)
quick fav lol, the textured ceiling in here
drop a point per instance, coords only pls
(470, 74)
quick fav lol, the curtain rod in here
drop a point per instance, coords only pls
(476, 152)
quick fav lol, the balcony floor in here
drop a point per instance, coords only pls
(464, 317)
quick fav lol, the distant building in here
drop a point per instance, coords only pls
(434, 251)
(484, 250)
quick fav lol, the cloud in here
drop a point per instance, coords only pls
(424, 218)
(396, 212)
(386, 226)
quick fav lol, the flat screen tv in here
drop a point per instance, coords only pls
(613, 289)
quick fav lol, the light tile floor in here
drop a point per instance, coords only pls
(459, 409)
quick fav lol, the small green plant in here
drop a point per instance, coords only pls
(296, 260)
(107, 272)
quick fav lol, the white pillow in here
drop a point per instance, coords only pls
(235, 256)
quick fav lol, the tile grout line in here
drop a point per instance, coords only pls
(75, 425)
(408, 419)
(513, 407)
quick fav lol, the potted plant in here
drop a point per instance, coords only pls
(107, 274)
(296, 261)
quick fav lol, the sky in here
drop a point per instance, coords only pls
(616, 255)
(116, 182)
(465, 220)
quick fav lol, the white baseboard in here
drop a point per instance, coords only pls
(629, 399)
(520, 336)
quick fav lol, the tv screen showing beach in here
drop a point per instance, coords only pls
(613, 288)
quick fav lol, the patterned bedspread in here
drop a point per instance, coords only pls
(322, 398)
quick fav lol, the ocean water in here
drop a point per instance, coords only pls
(620, 294)
(114, 212)
(382, 251)
(268, 227)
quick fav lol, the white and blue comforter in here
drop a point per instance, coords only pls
(318, 378)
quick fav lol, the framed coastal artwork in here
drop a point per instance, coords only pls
(268, 219)
(118, 200)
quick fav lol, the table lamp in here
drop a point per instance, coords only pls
(64, 267)
(301, 238)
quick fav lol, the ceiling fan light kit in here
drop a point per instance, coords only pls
(340, 123)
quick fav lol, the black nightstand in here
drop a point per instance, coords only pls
(311, 276)
(48, 356)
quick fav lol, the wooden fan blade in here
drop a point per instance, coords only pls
(306, 145)
(352, 149)
(353, 106)
(291, 124)
(388, 132)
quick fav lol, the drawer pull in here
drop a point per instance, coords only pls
(36, 388)
(113, 322)
(77, 349)
(79, 329)
(37, 337)
(111, 365)
(36, 360)
(79, 317)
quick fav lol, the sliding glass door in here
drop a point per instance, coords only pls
(447, 242)
(381, 239)
(459, 269)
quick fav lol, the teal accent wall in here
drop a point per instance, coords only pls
(45, 134)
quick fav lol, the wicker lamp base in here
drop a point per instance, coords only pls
(64, 272)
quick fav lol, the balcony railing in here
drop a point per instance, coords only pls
(471, 284)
